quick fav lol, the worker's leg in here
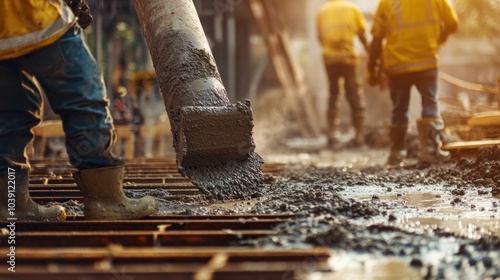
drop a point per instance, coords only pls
(400, 86)
(356, 98)
(20, 109)
(74, 87)
(426, 83)
(431, 125)
(75, 90)
(333, 71)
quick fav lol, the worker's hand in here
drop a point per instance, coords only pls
(383, 81)
(81, 10)
(372, 77)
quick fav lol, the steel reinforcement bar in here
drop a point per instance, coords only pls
(157, 247)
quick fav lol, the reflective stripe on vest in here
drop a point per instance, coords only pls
(400, 21)
(40, 35)
(333, 27)
(348, 59)
(429, 63)
(401, 25)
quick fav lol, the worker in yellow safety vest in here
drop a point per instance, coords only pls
(338, 23)
(413, 31)
(42, 47)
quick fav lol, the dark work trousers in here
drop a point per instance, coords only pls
(354, 95)
(400, 87)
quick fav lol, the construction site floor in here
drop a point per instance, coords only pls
(321, 214)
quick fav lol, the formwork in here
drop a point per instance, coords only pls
(157, 247)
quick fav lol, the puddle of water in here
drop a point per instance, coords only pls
(368, 267)
(471, 228)
(422, 199)
(472, 217)
(332, 158)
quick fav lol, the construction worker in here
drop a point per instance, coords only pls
(42, 47)
(413, 31)
(338, 23)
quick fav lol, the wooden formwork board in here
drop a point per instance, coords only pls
(168, 246)
(156, 247)
(468, 148)
(168, 263)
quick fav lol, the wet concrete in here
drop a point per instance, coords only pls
(188, 77)
(441, 222)
(214, 135)
(225, 164)
(231, 180)
(437, 222)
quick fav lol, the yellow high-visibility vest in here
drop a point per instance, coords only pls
(412, 29)
(338, 22)
(27, 25)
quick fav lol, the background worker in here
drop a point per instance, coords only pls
(338, 22)
(413, 31)
(41, 46)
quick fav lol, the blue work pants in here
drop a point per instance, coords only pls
(400, 88)
(73, 84)
(354, 95)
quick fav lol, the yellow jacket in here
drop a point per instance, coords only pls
(412, 30)
(27, 25)
(338, 22)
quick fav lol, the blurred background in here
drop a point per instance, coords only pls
(275, 61)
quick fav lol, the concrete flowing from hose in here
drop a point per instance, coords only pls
(212, 137)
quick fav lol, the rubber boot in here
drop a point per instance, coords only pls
(333, 117)
(15, 185)
(358, 121)
(397, 135)
(104, 198)
(429, 132)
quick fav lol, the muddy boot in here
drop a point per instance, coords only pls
(333, 125)
(104, 198)
(358, 121)
(429, 132)
(397, 136)
(15, 186)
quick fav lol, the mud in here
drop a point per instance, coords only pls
(437, 222)
(364, 211)
(188, 77)
(232, 180)
(72, 207)
(383, 236)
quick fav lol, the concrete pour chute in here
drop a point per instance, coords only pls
(205, 125)
(212, 138)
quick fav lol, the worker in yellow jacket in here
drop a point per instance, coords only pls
(42, 47)
(338, 23)
(413, 31)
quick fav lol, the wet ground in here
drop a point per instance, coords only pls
(435, 222)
